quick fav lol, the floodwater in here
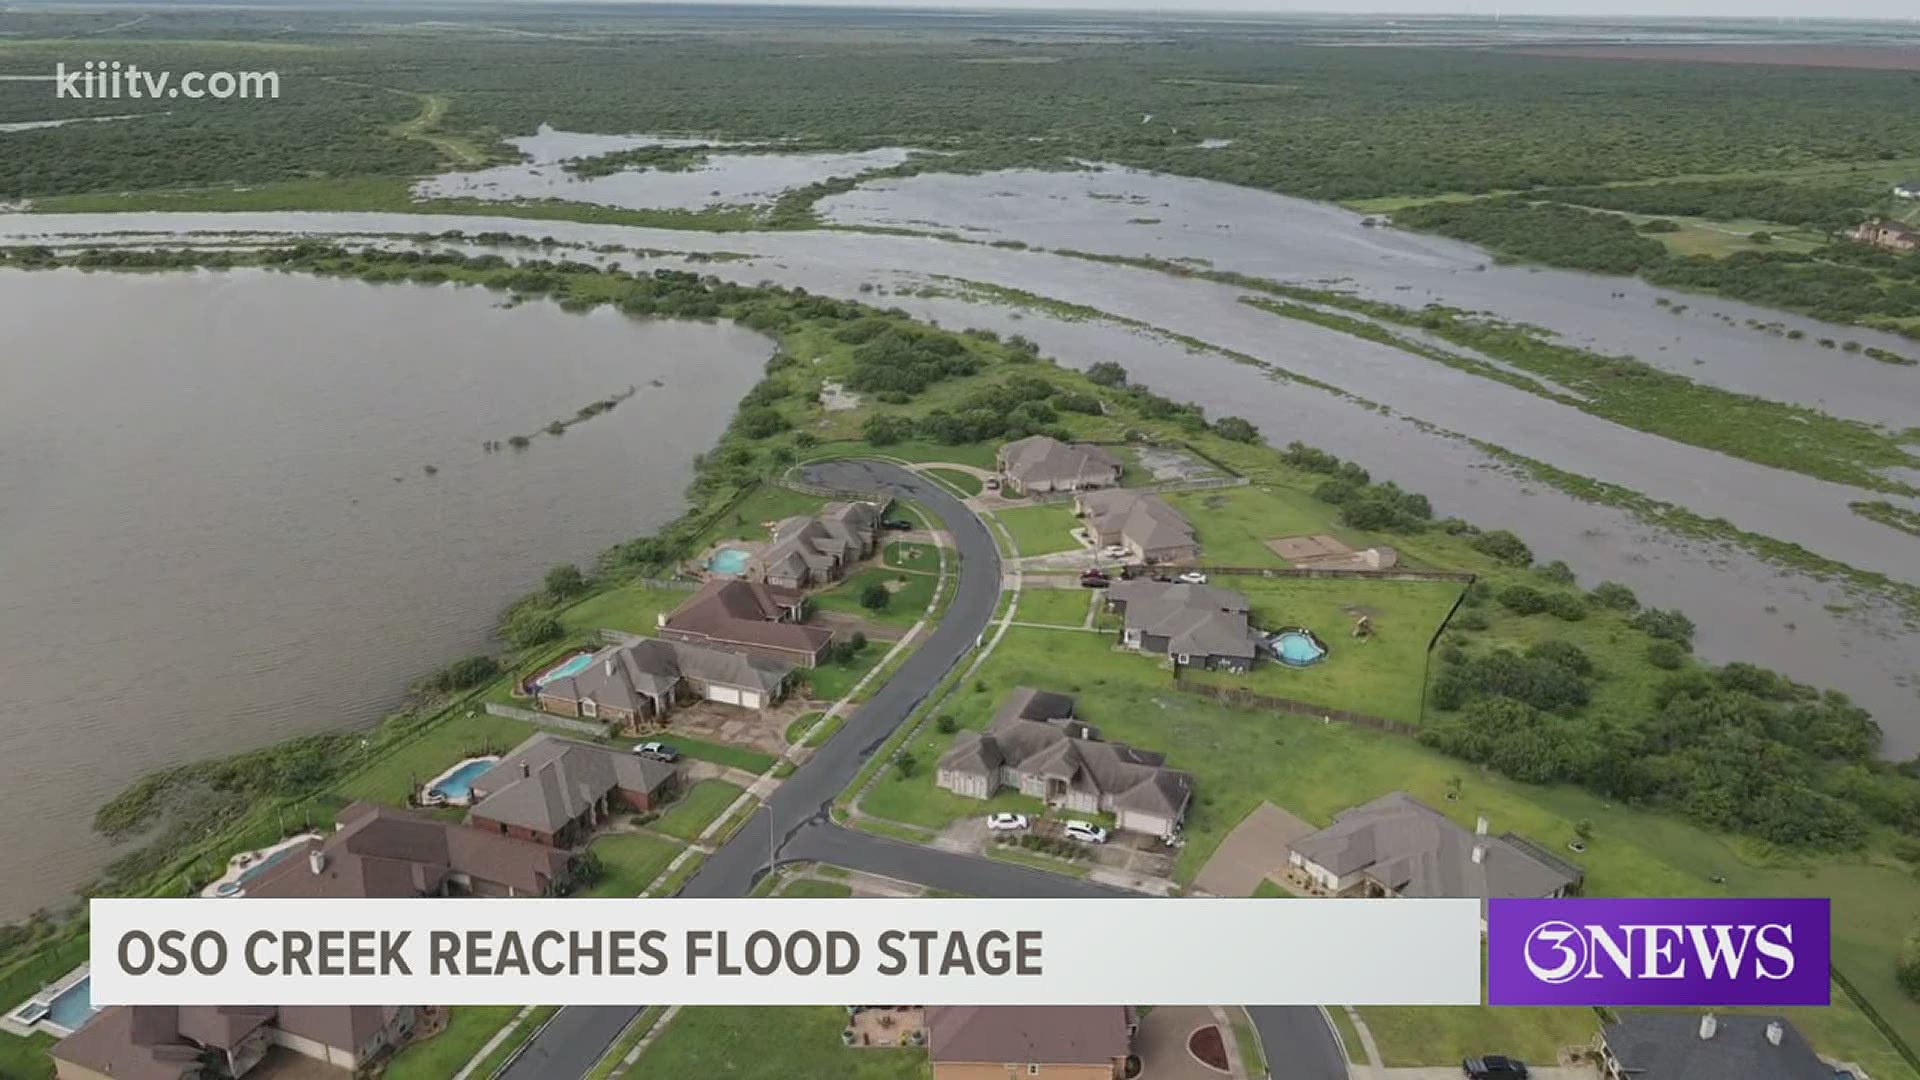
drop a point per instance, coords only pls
(1746, 609)
(726, 179)
(216, 527)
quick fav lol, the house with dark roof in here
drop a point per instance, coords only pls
(1036, 747)
(1682, 1046)
(1907, 189)
(1890, 235)
(750, 617)
(645, 679)
(1143, 523)
(1052, 1042)
(556, 791)
(379, 852)
(1039, 464)
(1399, 846)
(1195, 625)
(810, 551)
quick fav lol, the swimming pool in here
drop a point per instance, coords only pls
(573, 665)
(457, 786)
(1298, 648)
(261, 867)
(73, 1006)
(729, 561)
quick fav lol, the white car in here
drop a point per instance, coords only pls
(1115, 551)
(1086, 832)
(658, 751)
(1006, 822)
(1192, 577)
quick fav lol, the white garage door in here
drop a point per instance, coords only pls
(750, 698)
(726, 695)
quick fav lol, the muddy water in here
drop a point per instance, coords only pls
(216, 528)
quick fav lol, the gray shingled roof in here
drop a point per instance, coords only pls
(549, 780)
(1040, 459)
(1668, 1046)
(1141, 519)
(1417, 851)
(627, 676)
(1197, 620)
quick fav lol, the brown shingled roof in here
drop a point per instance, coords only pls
(747, 613)
(1043, 1034)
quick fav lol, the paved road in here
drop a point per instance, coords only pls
(796, 826)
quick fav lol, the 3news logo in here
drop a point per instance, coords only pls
(1769, 952)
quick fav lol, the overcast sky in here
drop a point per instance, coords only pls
(1828, 9)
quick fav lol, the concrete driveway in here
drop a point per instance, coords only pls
(1162, 1044)
(1256, 847)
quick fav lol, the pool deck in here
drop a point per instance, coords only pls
(235, 867)
(462, 800)
(36, 1006)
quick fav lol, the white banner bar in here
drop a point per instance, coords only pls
(786, 952)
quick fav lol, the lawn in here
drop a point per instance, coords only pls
(1382, 675)
(632, 608)
(25, 1058)
(765, 1043)
(1442, 1035)
(1041, 530)
(737, 757)
(439, 1057)
(1234, 524)
(629, 862)
(923, 558)
(693, 811)
(968, 483)
(1055, 607)
(753, 516)
(910, 596)
(834, 680)
(809, 888)
(393, 777)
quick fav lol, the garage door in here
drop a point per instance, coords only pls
(750, 698)
(726, 695)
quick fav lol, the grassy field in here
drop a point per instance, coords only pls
(1040, 530)
(392, 777)
(760, 1043)
(1381, 675)
(1234, 524)
(632, 608)
(629, 862)
(833, 681)
(25, 1058)
(968, 483)
(1441, 1035)
(696, 809)
(911, 592)
(914, 558)
(1055, 607)
(753, 517)
(439, 1057)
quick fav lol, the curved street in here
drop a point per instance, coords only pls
(795, 825)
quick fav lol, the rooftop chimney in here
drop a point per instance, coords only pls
(1775, 1032)
(1708, 1025)
(609, 667)
(316, 861)
(1479, 853)
(1480, 826)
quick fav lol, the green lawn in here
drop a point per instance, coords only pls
(25, 1058)
(693, 811)
(632, 608)
(978, 455)
(1442, 1035)
(910, 596)
(1041, 530)
(765, 1043)
(391, 778)
(801, 726)
(1381, 675)
(439, 1057)
(1234, 524)
(753, 517)
(629, 862)
(966, 482)
(1055, 607)
(834, 680)
(822, 890)
(924, 558)
(738, 757)
(1349, 1035)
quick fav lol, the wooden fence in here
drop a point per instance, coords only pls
(1334, 573)
(564, 723)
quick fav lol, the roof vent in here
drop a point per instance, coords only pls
(316, 861)
(1775, 1032)
(1708, 1025)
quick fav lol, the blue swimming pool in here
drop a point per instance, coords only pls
(1298, 648)
(457, 786)
(260, 867)
(729, 561)
(74, 1006)
(574, 665)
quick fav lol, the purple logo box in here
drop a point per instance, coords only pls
(1605, 951)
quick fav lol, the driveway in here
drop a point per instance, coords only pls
(1162, 1044)
(1256, 847)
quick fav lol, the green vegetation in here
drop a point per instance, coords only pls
(693, 811)
(1041, 530)
(819, 890)
(1055, 607)
(468, 1029)
(629, 862)
(1234, 524)
(902, 596)
(922, 558)
(761, 1043)
(967, 483)
(737, 757)
(1425, 1035)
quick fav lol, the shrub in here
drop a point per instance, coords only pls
(1614, 596)
(1236, 429)
(1558, 572)
(906, 765)
(1472, 619)
(464, 675)
(875, 597)
(1662, 653)
(1107, 373)
(946, 725)
(1907, 971)
(1667, 625)
(885, 429)
(1504, 547)
(1523, 599)
(1565, 653)
(1566, 606)
(761, 422)
(533, 628)
(565, 581)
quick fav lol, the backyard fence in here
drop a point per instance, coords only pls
(1052, 498)
(1247, 699)
(596, 731)
(1332, 573)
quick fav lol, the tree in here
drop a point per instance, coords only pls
(946, 725)
(1107, 373)
(1557, 572)
(1236, 429)
(761, 422)
(1504, 546)
(1614, 596)
(906, 765)
(1668, 625)
(1665, 654)
(885, 429)
(533, 628)
(875, 597)
(565, 581)
(464, 674)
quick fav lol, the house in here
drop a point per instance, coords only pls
(1887, 234)
(1150, 530)
(1398, 846)
(1908, 189)
(1036, 747)
(379, 852)
(1038, 464)
(556, 791)
(187, 1042)
(1054, 1042)
(750, 617)
(646, 679)
(1681, 1046)
(1196, 625)
(808, 551)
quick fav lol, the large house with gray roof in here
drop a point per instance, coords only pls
(1036, 747)
(556, 791)
(1682, 1046)
(645, 679)
(1143, 523)
(1194, 625)
(810, 551)
(1039, 464)
(750, 617)
(1399, 846)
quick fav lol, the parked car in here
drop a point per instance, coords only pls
(1192, 577)
(658, 751)
(993, 483)
(1494, 1067)
(896, 524)
(1086, 832)
(1006, 822)
(1094, 579)
(1114, 551)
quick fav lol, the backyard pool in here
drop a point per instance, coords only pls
(573, 665)
(456, 785)
(729, 561)
(73, 1006)
(1297, 648)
